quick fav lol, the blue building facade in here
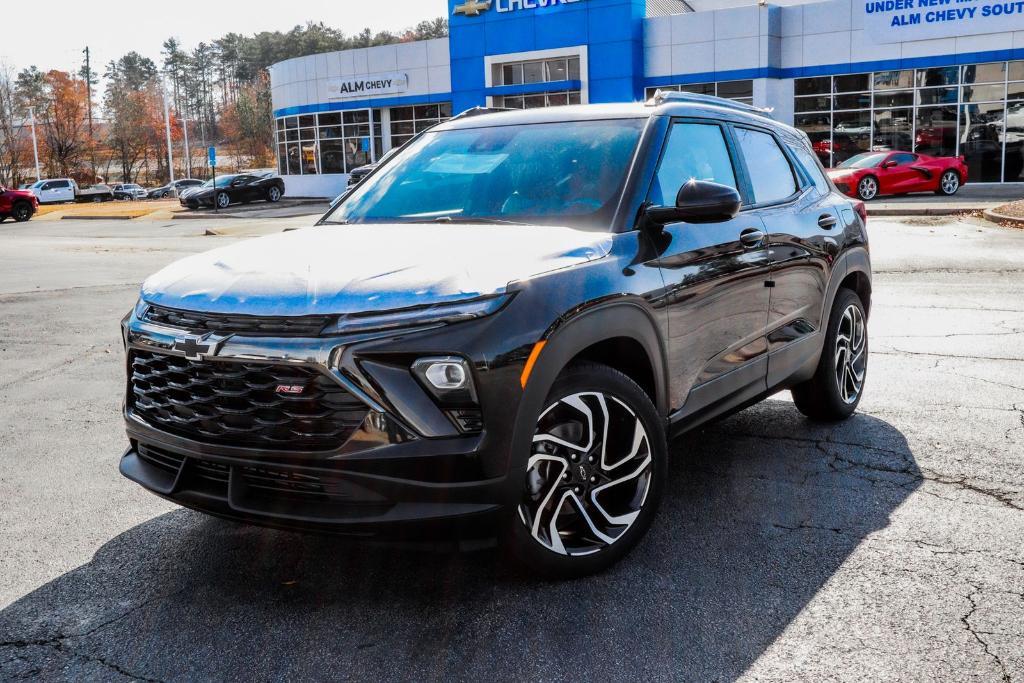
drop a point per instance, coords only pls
(852, 74)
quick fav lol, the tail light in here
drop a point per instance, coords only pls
(862, 210)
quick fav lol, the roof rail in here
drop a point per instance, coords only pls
(663, 96)
(477, 111)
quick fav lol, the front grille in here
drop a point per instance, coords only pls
(245, 325)
(238, 404)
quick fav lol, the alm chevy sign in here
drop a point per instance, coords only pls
(371, 86)
(474, 8)
(894, 21)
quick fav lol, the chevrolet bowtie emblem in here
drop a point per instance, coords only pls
(473, 8)
(198, 347)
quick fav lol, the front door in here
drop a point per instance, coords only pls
(714, 275)
(897, 174)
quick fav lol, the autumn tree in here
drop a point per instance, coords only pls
(63, 118)
(249, 121)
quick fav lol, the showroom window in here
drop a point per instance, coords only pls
(975, 110)
(741, 91)
(552, 70)
(334, 142)
(408, 121)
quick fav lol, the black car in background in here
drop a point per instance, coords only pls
(178, 185)
(235, 189)
(495, 334)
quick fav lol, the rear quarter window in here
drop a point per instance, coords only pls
(810, 168)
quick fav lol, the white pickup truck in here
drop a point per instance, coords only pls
(56, 190)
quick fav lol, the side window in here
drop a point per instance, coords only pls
(903, 159)
(693, 151)
(47, 186)
(811, 168)
(62, 185)
(770, 174)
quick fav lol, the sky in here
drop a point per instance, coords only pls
(55, 38)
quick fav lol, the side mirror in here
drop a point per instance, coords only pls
(698, 201)
(889, 164)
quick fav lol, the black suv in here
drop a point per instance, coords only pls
(497, 331)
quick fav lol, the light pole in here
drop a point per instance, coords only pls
(167, 126)
(35, 145)
(188, 153)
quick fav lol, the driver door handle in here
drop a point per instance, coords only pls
(827, 221)
(752, 237)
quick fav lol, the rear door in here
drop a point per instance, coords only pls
(802, 222)
(714, 277)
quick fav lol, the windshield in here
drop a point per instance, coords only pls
(38, 183)
(222, 181)
(867, 160)
(550, 173)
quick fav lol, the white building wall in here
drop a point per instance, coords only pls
(303, 80)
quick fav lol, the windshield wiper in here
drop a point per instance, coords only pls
(468, 219)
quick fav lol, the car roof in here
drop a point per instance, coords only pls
(687, 105)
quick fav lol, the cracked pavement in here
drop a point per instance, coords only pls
(889, 547)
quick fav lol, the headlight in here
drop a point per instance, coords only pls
(140, 308)
(439, 314)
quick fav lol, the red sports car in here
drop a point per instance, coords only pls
(871, 174)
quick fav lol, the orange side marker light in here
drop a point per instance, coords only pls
(530, 362)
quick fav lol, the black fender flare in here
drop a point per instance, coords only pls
(623, 317)
(853, 260)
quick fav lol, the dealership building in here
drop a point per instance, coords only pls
(937, 77)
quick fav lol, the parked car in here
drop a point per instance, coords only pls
(495, 334)
(178, 186)
(356, 175)
(20, 205)
(872, 174)
(129, 191)
(235, 189)
(58, 190)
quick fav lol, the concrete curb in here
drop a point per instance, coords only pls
(100, 218)
(923, 211)
(993, 216)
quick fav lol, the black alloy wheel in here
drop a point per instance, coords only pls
(22, 212)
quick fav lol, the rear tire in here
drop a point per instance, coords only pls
(593, 478)
(223, 200)
(21, 212)
(837, 387)
(949, 184)
(274, 195)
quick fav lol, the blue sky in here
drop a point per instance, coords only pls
(54, 38)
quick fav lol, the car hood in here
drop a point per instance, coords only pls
(357, 268)
(25, 194)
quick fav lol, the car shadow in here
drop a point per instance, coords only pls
(760, 512)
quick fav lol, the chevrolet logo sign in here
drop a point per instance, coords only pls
(473, 8)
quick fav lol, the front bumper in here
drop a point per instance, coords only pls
(403, 473)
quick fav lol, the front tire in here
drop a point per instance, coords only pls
(837, 387)
(21, 212)
(594, 476)
(949, 184)
(867, 188)
(223, 200)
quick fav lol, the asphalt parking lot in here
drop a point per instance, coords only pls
(890, 547)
